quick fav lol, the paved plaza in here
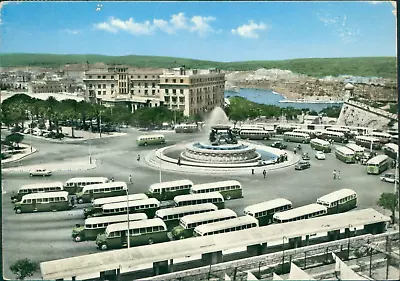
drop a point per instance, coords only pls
(47, 236)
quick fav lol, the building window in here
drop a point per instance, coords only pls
(181, 99)
(166, 99)
(104, 92)
(146, 92)
(112, 76)
(166, 91)
(104, 77)
(90, 85)
(132, 92)
(112, 85)
(98, 76)
(166, 80)
(99, 93)
(138, 84)
(138, 77)
(174, 80)
(99, 86)
(181, 80)
(145, 84)
(174, 99)
(104, 86)
(181, 91)
(153, 76)
(153, 85)
(174, 91)
(145, 77)
(153, 92)
(90, 76)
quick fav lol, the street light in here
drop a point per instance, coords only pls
(348, 243)
(127, 213)
(90, 145)
(283, 252)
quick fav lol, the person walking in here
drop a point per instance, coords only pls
(338, 175)
(334, 174)
(138, 157)
(264, 173)
(130, 179)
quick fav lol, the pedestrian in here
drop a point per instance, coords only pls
(264, 173)
(130, 179)
(112, 179)
(252, 171)
(338, 175)
(179, 161)
(334, 174)
(294, 150)
(72, 201)
(138, 157)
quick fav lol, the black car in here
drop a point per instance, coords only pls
(302, 165)
(278, 144)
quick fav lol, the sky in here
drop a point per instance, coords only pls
(218, 31)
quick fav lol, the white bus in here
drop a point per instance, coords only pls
(249, 127)
(280, 129)
(186, 128)
(94, 191)
(200, 198)
(321, 145)
(231, 189)
(235, 224)
(75, 185)
(37, 188)
(335, 136)
(265, 211)
(358, 150)
(345, 154)
(301, 213)
(169, 189)
(188, 223)
(378, 164)
(42, 202)
(150, 139)
(296, 137)
(254, 134)
(368, 141)
(147, 206)
(312, 133)
(339, 201)
(383, 137)
(391, 150)
(342, 130)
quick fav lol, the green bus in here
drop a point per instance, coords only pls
(391, 150)
(186, 128)
(187, 224)
(281, 129)
(150, 139)
(168, 190)
(37, 188)
(301, 213)
(235, 224)
(95, 191)
(339, 201)
(368, 142)
(96, 226)
(345, 154)
(96, 209)
(358, 150)
(75, 185)
(312, 133)
(265, 211)
(147, 206)
(43, 202)
(378, 164)
(335, 136)
(201, 198)
(140, 233)
(296, 137)
(321, 145)
(254, 134)
(171, 216)
(231, 189)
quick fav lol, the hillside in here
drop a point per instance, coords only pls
(367, 66)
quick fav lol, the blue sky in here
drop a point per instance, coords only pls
(220, 31)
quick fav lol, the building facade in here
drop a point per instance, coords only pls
(192, 91)
(56, 86)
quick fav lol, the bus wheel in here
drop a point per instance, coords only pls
(151, 241)
(80, 200)
(145, 144)
(228, 197)
(54, 210)
(78, 239)
(18, 211)
(103, 247)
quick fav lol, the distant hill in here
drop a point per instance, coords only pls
(365, 66)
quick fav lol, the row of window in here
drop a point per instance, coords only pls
(195, 224)
(178, 216)
(133, 208)
(236, 228)
(45, 200)
(326, 134)
(151, 138)
(136, 231)
(106, 189)
(172, 188)
(315, 214)
(71, 184)
(350, 154)
(200, 201)
(295, 136)
(36, 190)
(219, 188)
(242, 133)
(272, 211)
(121, 76)
(98, 225)
(343, 200)
(174, 99)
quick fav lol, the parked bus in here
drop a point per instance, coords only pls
(96, 226)
(37, 188)
(378, 164)
(43, 202)
(187, 224)
(382, 137)
(358, 150)
(312, 133)
(270, 128)
(201, 198)
(321, 145)
(102, 190)
(147, 206)
(345, 131)
(248, 127)
(140, 233)
(301, 213)
(265, 211)
(281, 129)
(168, 190)
(296, 137)
(366, 141)
(335, 136)
(186, 128)
(75, 185)
(254, 134)
(391, 150)
(339, 201)
(345, 154)
(236, 224)
(171, 216)
(96, 209)
(229, 189)
(395, 139)
(150, 139)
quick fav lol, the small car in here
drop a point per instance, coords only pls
(278, 144)
(305, 156)
(40, 173)
(389, 177)
(320, 155)
(302, 165)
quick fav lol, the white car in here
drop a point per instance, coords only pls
(320, 155)
(40, 173)
(389, 177)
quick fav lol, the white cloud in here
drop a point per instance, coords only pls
(340, 27)
(72, 31)
(249, 30)
(196, 24)
(376, 2)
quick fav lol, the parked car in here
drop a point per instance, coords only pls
(320, 155)
(305, 156)
(389, 177)
(40, 173)
(302, 165)
(279, 145)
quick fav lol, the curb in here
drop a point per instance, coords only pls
(22, 157)
(52, 170)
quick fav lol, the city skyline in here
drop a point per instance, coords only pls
(202, 30)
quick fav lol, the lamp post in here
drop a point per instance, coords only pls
(283, 252)
(348, 242)
(100, 123)
(90, 145)
(396, 175)
(127, 213)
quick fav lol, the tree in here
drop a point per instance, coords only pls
(389, 201)
(14, 138)
(24, 268)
